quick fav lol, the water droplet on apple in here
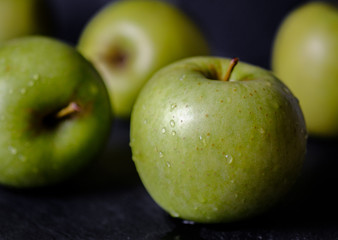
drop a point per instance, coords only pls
(172, 123)
(203, 141)
(164, 130)
(174, 214)
(36, 77)
(12, 150)
(261, 130)
(145, 121)
(275, 105)
(182, 77)
(160, 154)
(286, 90)
(131, 143)
(173, 133)
(22, 158)
(173, 106)
(23, 91)
(229, 158)
(168, 164)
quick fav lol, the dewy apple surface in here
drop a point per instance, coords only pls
(238, 146)
(55, 110)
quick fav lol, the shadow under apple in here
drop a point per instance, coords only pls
(114, 167)
(312, 204)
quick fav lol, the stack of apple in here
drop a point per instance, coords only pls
(213, 139)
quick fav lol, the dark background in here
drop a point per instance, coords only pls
(107, 200)
(233, 28)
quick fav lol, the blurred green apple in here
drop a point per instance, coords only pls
(128, 40)
(305, 57)
(55, 113)
(23, 17)
(216, 151)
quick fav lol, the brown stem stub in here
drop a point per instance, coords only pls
(227, 75)
(72, 107)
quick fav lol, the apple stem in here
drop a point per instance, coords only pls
(227, 75)
(68, 110)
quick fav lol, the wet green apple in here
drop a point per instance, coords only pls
(305, 57)
(128, 40)
(23, 17)
(214, 146)
(55, 113)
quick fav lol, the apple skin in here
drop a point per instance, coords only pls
(305, 57)
(216, 151)
(39, 77)
(19, 18)
(129, 40)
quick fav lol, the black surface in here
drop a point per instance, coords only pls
(107, 201)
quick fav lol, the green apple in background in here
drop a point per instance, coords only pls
(128, 40)
(305, 57)
(55, 113)
(216, 151)
(23, 17)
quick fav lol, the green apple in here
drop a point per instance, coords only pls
(305, 57)
(128, 40)
(55, 112)
(216, 151)
(23, 17)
